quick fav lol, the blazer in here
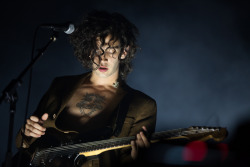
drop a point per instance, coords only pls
(141, 112)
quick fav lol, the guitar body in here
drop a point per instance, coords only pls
(24, 159)
(53, 138)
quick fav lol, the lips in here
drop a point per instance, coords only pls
(103, 69)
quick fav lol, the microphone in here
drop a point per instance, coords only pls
(67, 28)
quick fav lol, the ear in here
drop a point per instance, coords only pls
(125, 52)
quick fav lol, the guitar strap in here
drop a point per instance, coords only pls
(121, 113)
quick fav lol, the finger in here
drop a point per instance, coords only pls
(31, 134)
(34, 118)
(139, 141)
(134, 151)
(133, 145)
(144, 140)
(45, 116)
(34, 130)
(35, 125)
(145, 131)
(144, 128)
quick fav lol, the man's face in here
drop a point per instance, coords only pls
(109, 61)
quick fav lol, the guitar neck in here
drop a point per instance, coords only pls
(109, 143)
(97, 147)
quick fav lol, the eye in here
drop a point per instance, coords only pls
(99, 52)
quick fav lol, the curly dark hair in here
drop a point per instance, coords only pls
(101, 24)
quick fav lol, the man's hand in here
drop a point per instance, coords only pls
(33, 126)
(140, 142)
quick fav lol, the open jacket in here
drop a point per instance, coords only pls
(141, 112)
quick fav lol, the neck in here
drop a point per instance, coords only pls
(105, 81)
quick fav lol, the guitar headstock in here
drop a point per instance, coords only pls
(202, 133)
(205, 133)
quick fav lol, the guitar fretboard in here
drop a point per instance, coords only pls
(69, 150)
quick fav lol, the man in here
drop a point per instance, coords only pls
(97, 105)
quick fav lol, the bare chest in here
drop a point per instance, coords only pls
(89, 109)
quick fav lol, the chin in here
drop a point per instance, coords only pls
(102, 74)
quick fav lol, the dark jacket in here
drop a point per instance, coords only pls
(141, 112)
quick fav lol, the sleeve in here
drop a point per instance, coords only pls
(144, 115)
(47, 100)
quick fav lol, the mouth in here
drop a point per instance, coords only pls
(103, 69)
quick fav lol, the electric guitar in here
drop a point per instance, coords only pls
(46, 155)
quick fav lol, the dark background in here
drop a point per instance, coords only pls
(194, 59)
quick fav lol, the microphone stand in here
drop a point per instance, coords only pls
(9, 95)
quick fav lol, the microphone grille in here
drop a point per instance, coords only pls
(71, 29)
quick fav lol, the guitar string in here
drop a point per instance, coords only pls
(112, 141)
(84, 147)
(106, 142)
(54, 152)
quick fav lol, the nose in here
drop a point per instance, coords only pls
(104, 57)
